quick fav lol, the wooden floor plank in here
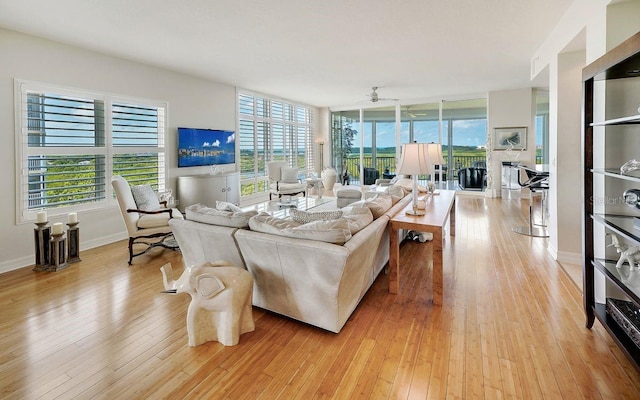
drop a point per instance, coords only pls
(511, 326)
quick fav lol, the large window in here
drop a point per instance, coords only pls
(71, 142)
(272, 129)
(460, 126)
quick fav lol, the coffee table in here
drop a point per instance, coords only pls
(280, 209)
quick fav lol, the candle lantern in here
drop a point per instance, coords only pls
(57, 252)
(42, 234)
(73, 238)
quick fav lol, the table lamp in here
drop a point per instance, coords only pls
(414, 161)
(435, 157)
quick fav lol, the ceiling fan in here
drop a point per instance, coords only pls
(373, 96)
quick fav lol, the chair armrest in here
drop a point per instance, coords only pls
(164, 210)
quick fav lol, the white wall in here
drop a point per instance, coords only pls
(192, 102)
(510, 108)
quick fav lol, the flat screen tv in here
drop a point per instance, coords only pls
(198, 147)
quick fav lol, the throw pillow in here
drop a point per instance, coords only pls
(226, 206)
(304, 217)
(396, 193)
(335, 231)
(208, 215)
(289, 175)
(407, 184)
(357, 218)
(145, 198)
(379, 205)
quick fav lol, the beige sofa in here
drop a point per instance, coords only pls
(312, 281)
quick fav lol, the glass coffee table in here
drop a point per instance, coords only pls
(280, 208)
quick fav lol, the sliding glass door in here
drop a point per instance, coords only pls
(460, 126)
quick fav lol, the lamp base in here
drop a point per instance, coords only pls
(415, 212)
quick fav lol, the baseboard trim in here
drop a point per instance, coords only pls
(569, 258)
(29, 261)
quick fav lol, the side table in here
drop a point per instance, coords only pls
(314, 183)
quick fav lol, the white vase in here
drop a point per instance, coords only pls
(329, 177)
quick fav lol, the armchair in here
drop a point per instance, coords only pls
(147, 223)
(283, 180)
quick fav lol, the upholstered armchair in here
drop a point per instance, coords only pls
(283, 180)
(146, 218)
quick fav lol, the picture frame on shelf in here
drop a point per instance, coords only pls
(511, 138)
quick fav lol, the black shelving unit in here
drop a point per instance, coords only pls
(621, 63)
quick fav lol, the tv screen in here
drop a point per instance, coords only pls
(198, 147)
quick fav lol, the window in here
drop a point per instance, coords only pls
(72, 142)
(272, 129)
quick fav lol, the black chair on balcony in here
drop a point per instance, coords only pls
(370, 176)
(472, 178)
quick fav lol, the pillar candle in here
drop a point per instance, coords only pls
(57, 228)
(73, 218)
(41, 216)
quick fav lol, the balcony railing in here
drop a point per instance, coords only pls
(388, 164)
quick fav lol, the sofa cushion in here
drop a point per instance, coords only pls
(208, 215)
(304, 217)
(145, 198)
(335, 231)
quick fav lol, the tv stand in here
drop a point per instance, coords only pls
(207, 189)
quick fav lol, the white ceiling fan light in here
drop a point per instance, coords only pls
(374, 98)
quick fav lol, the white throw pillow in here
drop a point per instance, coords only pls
(396, 193)
(407, 184)
(336, 231)
(304, 217)
(378, 204)
(208, 215)
(226, 206)
(289, 175)
(357, 218)
(145, 198)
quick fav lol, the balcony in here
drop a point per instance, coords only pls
(389, 164)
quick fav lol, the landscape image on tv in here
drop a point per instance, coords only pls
(197, 147)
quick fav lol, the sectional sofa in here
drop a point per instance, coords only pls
(315, 272)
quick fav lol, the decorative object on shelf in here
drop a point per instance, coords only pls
(510, 138)
(42, 235)
(632, 198)
(73, 237)
(627, 316)
(414, 161)
(221, 297)
(630, 254)
(629, 166)
(57, 249)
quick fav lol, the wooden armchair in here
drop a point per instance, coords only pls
(147, 225)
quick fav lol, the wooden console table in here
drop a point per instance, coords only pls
(439, 208)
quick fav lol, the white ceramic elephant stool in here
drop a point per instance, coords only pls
(221, 298)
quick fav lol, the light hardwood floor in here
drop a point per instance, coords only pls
(511, 326)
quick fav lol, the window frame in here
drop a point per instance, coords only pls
(282, 127)
(22, 149)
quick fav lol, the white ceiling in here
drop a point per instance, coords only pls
(319, 52)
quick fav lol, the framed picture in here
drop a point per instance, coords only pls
(510, 138)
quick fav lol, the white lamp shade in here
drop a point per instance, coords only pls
(435, 153)
(414, 159)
